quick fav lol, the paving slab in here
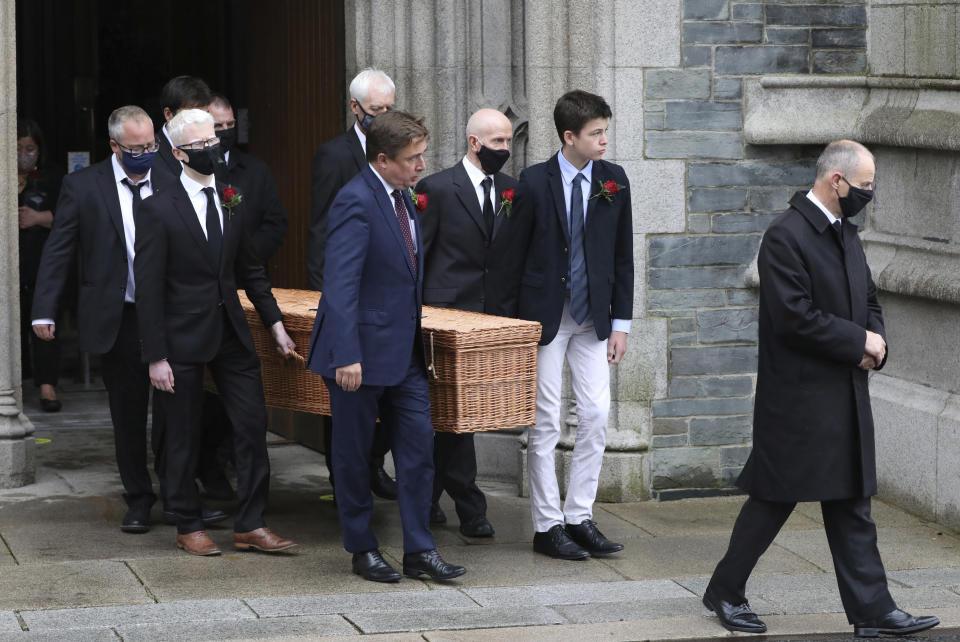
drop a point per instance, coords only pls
(900, 548)
(585, 593)
(692, 555)
(637, 610)
(262, 629)
(9, 622)
(515, 565)
(112, 616)
(763, 583)
(69, 584)
(320, 570)
(693, 516)
(926, 577)
(271, 607)
(885, 515)
(430, 620)
(71, 635)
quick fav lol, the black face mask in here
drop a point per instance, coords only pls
(492, 160)
(204, 161)
(367, 119)
(855, 200)
(228, 138)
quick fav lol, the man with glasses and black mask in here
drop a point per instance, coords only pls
(469, 265)
(190, 255)
(372, 92)
(97, 215)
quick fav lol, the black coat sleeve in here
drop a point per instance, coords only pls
(325, 183)
(149, 273)
(59, 251)
(267, 236)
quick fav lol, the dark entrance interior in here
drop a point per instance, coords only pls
(280, 63)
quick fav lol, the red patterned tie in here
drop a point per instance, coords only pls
(404, 220)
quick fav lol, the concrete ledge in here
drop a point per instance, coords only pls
(919, 268)
(899, 112)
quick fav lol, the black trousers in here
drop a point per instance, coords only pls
(379, 447)
(128, 388)
(236, 371)
(455, 462)
(852, 536)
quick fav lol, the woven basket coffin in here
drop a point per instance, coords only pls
(482, 368)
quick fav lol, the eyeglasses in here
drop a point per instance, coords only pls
(139, 150)
(200, 144)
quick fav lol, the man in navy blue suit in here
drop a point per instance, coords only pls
(367, 345)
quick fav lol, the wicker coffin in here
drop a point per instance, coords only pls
(483, 368)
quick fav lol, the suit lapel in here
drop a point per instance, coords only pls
(356, 149)
(499, 215)
(227, 217)
(188, 215)
(597, 177)
(467, 195)
(556, 189)
(108, 189)
(389, 213)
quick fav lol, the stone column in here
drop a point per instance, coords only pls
(16, 431)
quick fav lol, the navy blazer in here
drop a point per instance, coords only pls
(369, 312)
(608, 247)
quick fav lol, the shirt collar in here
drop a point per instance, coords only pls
(475, 175)
(385, 184)
(166, 135)
(361, 136)
(816, 201)
(119, 175)
(569, 172)
(193, 187)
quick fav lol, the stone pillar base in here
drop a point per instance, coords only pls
(16, 453)
(624, 476)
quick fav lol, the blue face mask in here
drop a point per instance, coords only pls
(137, 164)
(367, 119)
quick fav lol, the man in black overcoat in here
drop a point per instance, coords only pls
(821, 332)
(469, 264)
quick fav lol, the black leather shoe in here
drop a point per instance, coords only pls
(209, 515)
(371, 566)
(430, 563)
(137, 520)
(50, 405)
(732, 617)
(479, 527)
(895, 622)
(556, 543)
(587, 535)
(382, 484)
(437, 516)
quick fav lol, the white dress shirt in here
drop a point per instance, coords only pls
(476, 177)
(823, 208)
(567, 173)
(413, 227)
(361, 136)
(199, 200)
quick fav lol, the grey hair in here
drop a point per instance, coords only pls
(841, 156)
(183, 119)
(121, 115)
(360, 85)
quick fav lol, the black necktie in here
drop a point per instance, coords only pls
(486, 184)
(838, 231)
(135, 190)
(214, 234)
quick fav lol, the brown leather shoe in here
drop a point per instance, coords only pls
(261, 539)
(197, 543)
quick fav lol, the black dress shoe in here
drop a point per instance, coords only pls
(371, 566)
(895, 622)
(382, 484)
(137, 520)
(430, 563)
(437, 516)
(587, 535)
(732, 617)
(209, 515)
(50, 405)
(479, 527)
(556, 543)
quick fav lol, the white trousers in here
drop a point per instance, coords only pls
(587, 356)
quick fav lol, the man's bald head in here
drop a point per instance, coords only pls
(487, 128)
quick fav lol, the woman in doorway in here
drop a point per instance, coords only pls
(38, 188)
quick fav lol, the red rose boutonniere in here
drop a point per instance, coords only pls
(506, 201)
(419, 200)
(608, 190)
(230, 199)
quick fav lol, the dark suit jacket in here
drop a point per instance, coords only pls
(264, 220)
(369, 312)
(812, 424)
(464, 269)
(335, 163)
(608, 248)
(165, 155)
(182, 293)
(89, 220)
